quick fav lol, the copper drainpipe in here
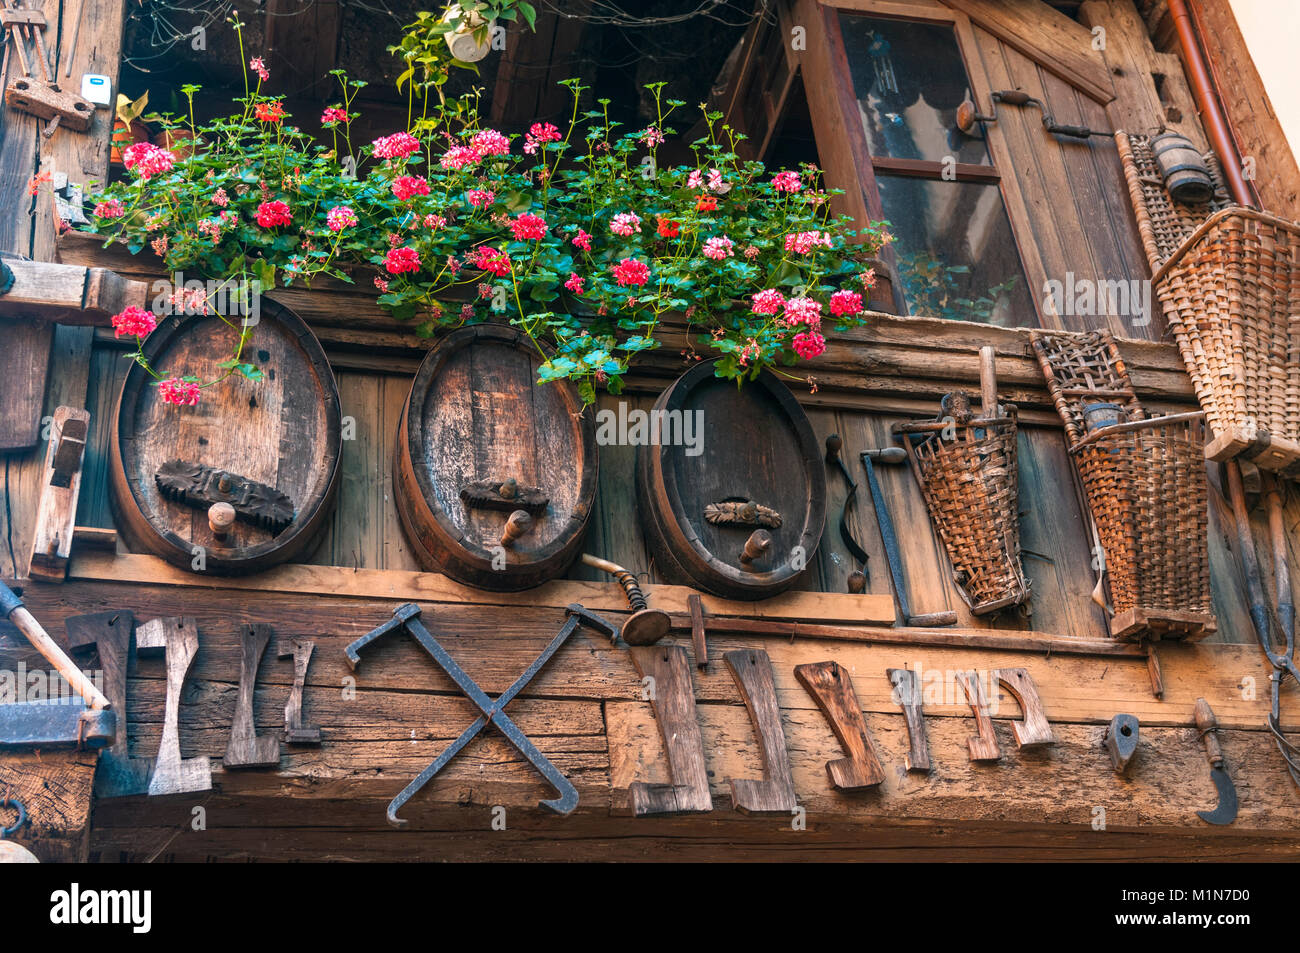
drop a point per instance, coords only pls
(1216, 125)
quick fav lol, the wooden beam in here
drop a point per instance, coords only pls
(302, 41)
(70, 294)
(1048, 37)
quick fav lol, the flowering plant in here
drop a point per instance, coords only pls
(575, 235)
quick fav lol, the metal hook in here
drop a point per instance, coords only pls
(22, 816)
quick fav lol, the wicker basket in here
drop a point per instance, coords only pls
(1144, 483)
(1228, 280)
(969, 479)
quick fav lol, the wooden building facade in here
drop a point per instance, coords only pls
(1025, 206)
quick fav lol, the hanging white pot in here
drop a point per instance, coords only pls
(461, 42)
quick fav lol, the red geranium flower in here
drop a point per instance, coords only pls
(270, 112)
(402, 259)
(271, 214)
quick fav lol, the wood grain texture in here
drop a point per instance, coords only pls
(907, 692)
(984, 744)
(1034, 728)
(283, 431)
(832, 690)
(774, 794)
(508, 428)
(754, 445)
(178, 640)
(246, 748)
(295, 732)
(673, 699)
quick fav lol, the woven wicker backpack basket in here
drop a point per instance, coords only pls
(1228, 280)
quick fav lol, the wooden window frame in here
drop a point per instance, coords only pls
(846, 127)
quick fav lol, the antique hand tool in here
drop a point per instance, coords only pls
(11, 608)
(834, 444)
(246, 748)
(673, 698)
(110, 633)
(1282, 658)
(752, 671)
(890, 540)
(407, 617)
(41, 96)
(1208, 725)
(907, 692)
(1034, 730)
(644, 626)
(1122, 742)
(56, 513)
(832, 689)
(178, 640)
(56, 723)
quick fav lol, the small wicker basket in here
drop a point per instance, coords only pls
(1144, 482)
(1228, 280)
(969, 479)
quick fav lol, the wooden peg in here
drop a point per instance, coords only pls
(673, 698)
(752, 671)
(907, 693)
(988, 382)
(246, 749)
(56, 513)
(983, 746)
(698, 639)
(756, 547)
(1122, 742)
(857, 582)
(1034, 730)
(295, 733)
(221, 516)
(832, 689)
(517, 523)
(178, 639)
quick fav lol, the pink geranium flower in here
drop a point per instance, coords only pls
(529, 227)
(459, 157)
(179, 392)
(629, 271)
(109, 208)
(718, 248)
(147, 160)
(768, 301)
(808, 344)
(574, 283)
(846, 303)
(582, 240)
(397, 146)
(271, 214)
(803, 311)
(625, 224)
(492, 260)
(258, 66)
(134, 321)
(340, 217)
(333, 115)
(538, 135)
(489, 142)
(480, 198)
(402, 259)
(408, 186)
(787, 182)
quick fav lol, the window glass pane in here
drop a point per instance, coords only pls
(956, 254)
(909, 79)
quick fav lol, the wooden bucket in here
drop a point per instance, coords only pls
(476, 418)
(756, 447)
(1185, 173)
(282, 432)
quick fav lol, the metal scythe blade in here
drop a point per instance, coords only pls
(1226, 812)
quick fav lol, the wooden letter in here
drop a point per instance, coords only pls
(246, 749)
(178, 639)
(908, 694)
(118, 774)
(752, 671)
(983, 746)
(1034, 730)
(832, 690)
(294, 731)
(674, 705)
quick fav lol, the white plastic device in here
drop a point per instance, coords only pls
(97, 88)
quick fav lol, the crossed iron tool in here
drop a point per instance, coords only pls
(408, 617)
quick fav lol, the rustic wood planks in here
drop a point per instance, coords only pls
(673, 696)
(178, 640)
(832, 689)
(775, 792)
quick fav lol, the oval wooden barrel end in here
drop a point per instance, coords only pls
(475, 424)
(284, 433)
(702, 513)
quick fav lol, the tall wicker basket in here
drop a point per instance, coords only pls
(1228, 280)
(1144, 482)
(970, 484)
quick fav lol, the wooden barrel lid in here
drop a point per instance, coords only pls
(282, 432)
(757, 446)
(476, 418)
